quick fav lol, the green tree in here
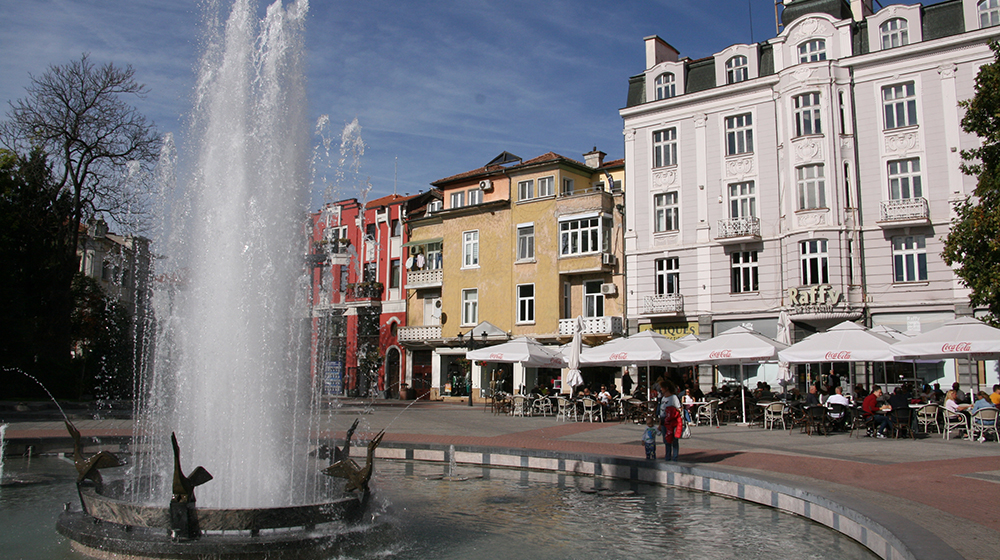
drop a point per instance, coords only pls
(972, 247)
(100, 329)
(38, 265)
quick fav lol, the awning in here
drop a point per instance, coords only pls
(420, 242)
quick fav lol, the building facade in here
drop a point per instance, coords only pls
(813, 173)
(517, 248)
(356, 295)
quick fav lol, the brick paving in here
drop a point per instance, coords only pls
(950, 489)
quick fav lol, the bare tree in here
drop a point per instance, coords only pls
(102, 149)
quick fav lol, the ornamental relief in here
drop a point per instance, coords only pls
(668, 240)
(739, 167)
(630, 135)
(902, 143)
(808, 28)
(808, 149)
(811, 219)
(665, 178)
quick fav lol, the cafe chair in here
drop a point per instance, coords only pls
(927, 416)
(774, 413)
(902, 423)
(541, 406)
(566, 409)
(860, 423)
(591, 410)
(838, 414)
(816, 420)
(708, 412)
(952, 421)
(982, 423)
(519, 406)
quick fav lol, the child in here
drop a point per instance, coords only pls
(650, 436)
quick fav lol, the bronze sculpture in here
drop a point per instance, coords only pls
(184, 485)
(357, 477)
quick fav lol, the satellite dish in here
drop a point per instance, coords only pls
(409, 263)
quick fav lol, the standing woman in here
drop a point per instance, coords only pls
(670, 418)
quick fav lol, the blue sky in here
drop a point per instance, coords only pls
(441, 87)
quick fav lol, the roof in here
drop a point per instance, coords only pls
(548, 157)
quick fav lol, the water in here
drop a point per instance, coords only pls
(498, 512)
(231, 376)
(3, 446)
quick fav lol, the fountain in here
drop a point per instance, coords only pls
(230, 385)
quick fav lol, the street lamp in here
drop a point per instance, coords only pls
(470, 345)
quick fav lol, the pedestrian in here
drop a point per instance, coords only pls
(670, 419)
(650, 436)
(626, 383)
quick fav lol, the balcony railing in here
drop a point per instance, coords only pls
(364, 292)
(592, 325)
(905, 210)
(418, 333)
(424, 278)
(663, 304)
(739, 228)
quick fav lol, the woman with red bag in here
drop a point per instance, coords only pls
(670, 418)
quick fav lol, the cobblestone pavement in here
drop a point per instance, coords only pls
(949, 488)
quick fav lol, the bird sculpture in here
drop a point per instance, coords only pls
(87, 469)
(345, 453)
(357, 477)
(184, 485)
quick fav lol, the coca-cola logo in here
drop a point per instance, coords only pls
(957, 347)
(842, 355)
(496, 356)
(619, 356)
(720, 354)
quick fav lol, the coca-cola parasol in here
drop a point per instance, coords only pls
(964, 337)
(736, 346)
(525, 351)
(649, 348)
(846, 342)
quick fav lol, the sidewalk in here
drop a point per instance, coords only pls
(950, 488)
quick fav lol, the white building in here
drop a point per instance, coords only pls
(812, 173)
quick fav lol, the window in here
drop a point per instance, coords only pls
(909, 259)
(742, 201)
(665, 147)
(433, 261)
(546, 186)
(812, 51)
(434, 206)
(665, 86)
(470, 307)
(744, 272)
(807, 119)
(593, 299)
(567, 300)
(904, 179)
(815, 261)
(989, 13)
(370, 272)
(811, 187)
(668, 276)
(394, 273)
(525, 190)
(736, 69)
(894, 33)
(457, 199)
(739, 134)
(526, 242)
(666, 211)
(526, 303)
(397, 228)
(900, 104)
(567, 187)
(470, 249)
(579, 237)
(475, 196)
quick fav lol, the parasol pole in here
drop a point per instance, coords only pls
(743, 395)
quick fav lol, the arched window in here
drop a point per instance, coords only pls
(812, 51)
(894, 33)
(736, 69)
(665, 86)
(989, 13)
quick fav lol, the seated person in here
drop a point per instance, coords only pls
(871, 410)
(604, 396)
(898, 400)
(938, 394)
(837, 398)
(995, 397)
(812, 399)
(952, 403)
(765, 393)
(982, 401)
(860, 393)
(688, 401)
(960, 395)
(927, 394)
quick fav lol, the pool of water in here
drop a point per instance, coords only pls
(495, 512)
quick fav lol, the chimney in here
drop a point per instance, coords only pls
(594, 158)
(658, 50)
(860, 9)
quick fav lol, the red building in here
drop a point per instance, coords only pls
(358, 300)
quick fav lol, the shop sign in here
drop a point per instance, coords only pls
(819, 296)
(674, 330)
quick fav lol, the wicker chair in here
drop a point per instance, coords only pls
(952, 421)
(982, 423)
(708, 412)
(774, 413)
(591, 410)
(566, 409)
(927, 416)
(520, 406)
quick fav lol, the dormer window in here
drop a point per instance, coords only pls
(894, 33)
(812, 51)
(736, 69)
(665, 86)
(989, 13)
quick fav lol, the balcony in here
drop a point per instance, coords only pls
(419, 333)
(904, 212)
(592, 325)
(363, 293)
(665, 304)
(738, 230)
(424, 278)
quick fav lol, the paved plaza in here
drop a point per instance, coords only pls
(946, 488)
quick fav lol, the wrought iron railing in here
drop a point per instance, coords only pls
(664, 303)
(905, 209)
(739, 227)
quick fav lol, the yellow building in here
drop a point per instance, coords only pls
(518, 248)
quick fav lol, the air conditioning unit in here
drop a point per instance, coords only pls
(609, 289)
(486, 185)
(608, 259)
